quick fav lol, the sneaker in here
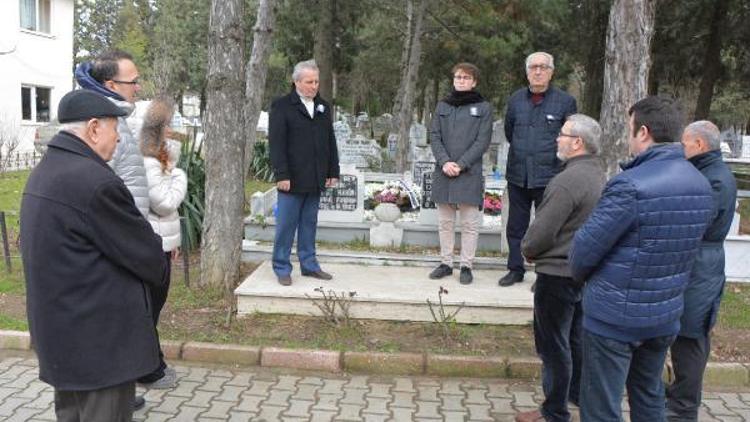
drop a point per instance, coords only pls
(511, 278)
(441, 271)
(169, 380)
(466, 277)
(138, 402)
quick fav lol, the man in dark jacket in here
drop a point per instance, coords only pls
(89, 258)
(532, 122)
(635, 253)
(703, 295)
(305, 161)
(568, 200)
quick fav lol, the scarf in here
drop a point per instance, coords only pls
(459, 98)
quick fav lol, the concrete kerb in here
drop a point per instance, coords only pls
(718, 374)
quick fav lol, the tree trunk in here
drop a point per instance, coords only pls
(224, 146)
(255, 76)
(596, 12)
(323, 49)
(409, 33)
(711, 61)
(411, 76)
(627, 62)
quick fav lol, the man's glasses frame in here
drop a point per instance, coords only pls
(135, 81)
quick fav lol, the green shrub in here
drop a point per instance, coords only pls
(193, 207)
(261, 168)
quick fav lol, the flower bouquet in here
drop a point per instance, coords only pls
(493, 203)
(392, 192)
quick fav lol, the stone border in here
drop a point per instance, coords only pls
(718, 374)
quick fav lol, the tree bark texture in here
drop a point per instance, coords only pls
(595, 12)
(627, 62)
(408, 34)
(323, 49)
(255, 76)
(407, 103)
(224, 146)
(711, 61)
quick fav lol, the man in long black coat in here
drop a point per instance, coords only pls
(305, 161)
(89, 257)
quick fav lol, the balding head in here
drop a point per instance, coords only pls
(700, 137)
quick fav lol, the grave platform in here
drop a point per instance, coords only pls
(390, 293)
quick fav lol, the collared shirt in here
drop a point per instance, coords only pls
(308, 103)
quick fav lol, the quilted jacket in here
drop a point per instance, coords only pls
(637, 248)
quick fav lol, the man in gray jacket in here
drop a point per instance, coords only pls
(568, 200)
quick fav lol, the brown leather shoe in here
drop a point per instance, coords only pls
(285, 280)
(320, 275)
(532, 416)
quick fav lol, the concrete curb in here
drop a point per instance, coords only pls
(718, 374)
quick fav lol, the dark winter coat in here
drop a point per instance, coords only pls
(89, 257)
(532, 131)
(637, 248)
(303, 148)
(460, 134)
(703, 294)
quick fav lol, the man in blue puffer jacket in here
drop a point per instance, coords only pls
(703, 295)
(635, 253)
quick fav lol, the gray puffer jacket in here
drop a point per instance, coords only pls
(127, 161)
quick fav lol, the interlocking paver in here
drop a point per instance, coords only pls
(207, 394)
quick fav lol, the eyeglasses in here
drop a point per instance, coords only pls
(561, 134)
(135, 81)
(541, 67)
(463, 77)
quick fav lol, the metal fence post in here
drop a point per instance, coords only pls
(185, 251)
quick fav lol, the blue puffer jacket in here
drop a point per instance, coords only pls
(703, 294)
(532, 132)
(636, 249)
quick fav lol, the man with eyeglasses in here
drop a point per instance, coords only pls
(533, 119)
(568, 200)
(115, 75)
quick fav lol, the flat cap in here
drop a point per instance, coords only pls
(83, 104)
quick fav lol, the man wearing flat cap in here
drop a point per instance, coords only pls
(89, 258)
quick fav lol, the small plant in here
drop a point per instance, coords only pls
(334, 306)
(260, 167)
(193, 207)
(493, 203)
(445, 320)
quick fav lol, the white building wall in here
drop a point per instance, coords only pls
(29, 58)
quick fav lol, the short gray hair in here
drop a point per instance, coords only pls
(589, 130)
(303, 66)
(550, 59)
(707, 131)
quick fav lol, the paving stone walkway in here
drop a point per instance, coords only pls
(207, 393)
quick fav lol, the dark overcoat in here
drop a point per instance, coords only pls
(460, 134)
(704, 291)
(303, 148)
(89, 257)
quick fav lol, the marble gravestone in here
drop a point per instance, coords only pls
(428, 209)
(344, 202)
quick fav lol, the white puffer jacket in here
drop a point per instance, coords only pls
(166, 191)
(127, 162)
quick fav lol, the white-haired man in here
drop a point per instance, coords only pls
(305, 161)
(534, 117)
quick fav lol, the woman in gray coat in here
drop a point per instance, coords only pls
(460, 135)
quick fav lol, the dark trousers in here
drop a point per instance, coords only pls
(111, 404)
(297, 213)
(610, 365)
(158, 299)
(519, 214)
(689, 357)
(557, 335)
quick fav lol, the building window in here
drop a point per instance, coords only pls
(35, 15)
(35, 103)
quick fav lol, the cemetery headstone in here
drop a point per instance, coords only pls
(419, 168)
(428, 210)
(345, 201)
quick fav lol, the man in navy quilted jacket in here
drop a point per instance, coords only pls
(635, 254)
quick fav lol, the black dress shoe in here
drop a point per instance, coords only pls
(138, 402)
(285, 280)
(511, 278)
(466, 277)
(320, 275)
(441, 271)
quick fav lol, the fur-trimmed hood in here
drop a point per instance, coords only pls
(157, 117)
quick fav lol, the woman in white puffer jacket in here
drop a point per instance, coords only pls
(167, 186)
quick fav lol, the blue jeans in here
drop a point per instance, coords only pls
(297, 213)
(610, 365)
(557, 335)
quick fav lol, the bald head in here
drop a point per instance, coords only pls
(700, 137)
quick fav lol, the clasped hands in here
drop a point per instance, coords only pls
(451, 169)
(285, 185)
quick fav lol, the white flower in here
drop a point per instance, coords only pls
(321, 108)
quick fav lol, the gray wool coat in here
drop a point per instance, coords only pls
(460, 134)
